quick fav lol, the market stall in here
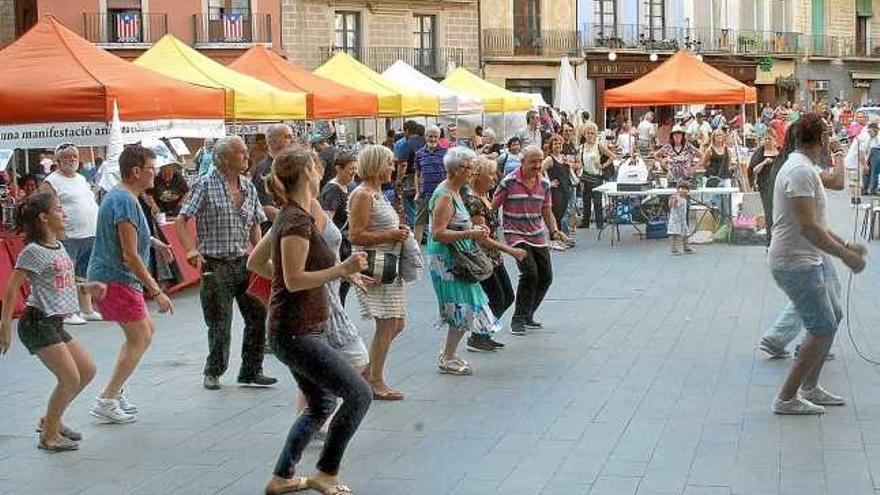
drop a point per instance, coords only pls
(325, 99)
(56, 87)
(395, 100)
(247, 98)
(452, 102)
(495, 98)
(681, 80)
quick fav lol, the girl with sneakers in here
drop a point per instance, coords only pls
(46, 265)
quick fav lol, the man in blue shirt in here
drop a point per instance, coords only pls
(429, 173)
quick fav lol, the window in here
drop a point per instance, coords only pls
(605, 15)
(656, 14)
(124, 21)
(348, 33)
(424, 41)
(526, 26)
(219, 7)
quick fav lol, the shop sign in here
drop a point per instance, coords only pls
(862, 83)
(630, 69)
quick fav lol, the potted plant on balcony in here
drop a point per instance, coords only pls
(747, 44)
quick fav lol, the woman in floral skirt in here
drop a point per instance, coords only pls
(463, 306)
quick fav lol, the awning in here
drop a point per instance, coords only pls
(247, 98)
(56, 87)
(325, 99)
(495, 98)
(451, 102)
(681, 80)
(394, 100)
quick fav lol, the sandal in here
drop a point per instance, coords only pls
(390, 395)
(301, 483)
(336, 490)
(63, 444)
(65, 432)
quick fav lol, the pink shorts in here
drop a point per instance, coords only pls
(122, 304)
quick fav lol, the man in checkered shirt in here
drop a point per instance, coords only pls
(228, 216)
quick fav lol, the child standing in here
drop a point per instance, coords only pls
(677, 226)
(46, 265)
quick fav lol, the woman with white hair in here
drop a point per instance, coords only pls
(374, 227)
(463, 305)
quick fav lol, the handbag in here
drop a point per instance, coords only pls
(470, 263)
(259, 288)
(383, 266)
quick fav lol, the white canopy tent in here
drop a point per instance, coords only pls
(451, 102)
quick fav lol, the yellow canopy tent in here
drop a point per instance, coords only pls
(247, 98)
(495, 98)
(394, 100)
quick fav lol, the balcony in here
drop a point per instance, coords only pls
(124, 29)
(431, 62)
(670, 39)
(500, 42)
(231, 29)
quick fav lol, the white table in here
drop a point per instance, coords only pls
(610, 191)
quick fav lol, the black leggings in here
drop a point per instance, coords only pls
(322, 375)
(499, 290)
(594, 198)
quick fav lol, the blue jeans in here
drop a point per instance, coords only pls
(874, 171)
(322, 374)
(814, 293)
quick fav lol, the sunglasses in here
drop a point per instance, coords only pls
(64, 147)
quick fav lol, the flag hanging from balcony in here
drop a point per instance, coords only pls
(233, 27)
(127, 30)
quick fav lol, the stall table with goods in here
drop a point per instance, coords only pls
(626, 206)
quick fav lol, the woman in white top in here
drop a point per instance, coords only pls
(593, 172)
(81, 210)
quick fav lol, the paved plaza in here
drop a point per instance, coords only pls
(645, 380)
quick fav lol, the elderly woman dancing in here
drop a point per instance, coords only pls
(463, 305)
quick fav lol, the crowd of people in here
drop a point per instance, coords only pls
(314, 223)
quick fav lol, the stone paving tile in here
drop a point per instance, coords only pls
(645, 381)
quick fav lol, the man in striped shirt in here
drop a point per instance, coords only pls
(527, 217)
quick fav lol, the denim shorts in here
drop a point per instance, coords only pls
(813, 291)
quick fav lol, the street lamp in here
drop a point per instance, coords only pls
(652, 57)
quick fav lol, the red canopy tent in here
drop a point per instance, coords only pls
(681, 80)
(57, 87)
(325, 99)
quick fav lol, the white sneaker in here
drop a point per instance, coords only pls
(93, 316)
(796, 406)
(558, 246)
(124, 404)
(74, 319)
(822, 397)
(108, 411)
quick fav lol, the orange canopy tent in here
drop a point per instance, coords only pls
(681, 80)
(57, 87)
(325, 99)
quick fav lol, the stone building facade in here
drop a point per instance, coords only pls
(427, 34)
(7, 21)
(524, 40)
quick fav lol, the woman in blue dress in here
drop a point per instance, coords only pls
(463, 306)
